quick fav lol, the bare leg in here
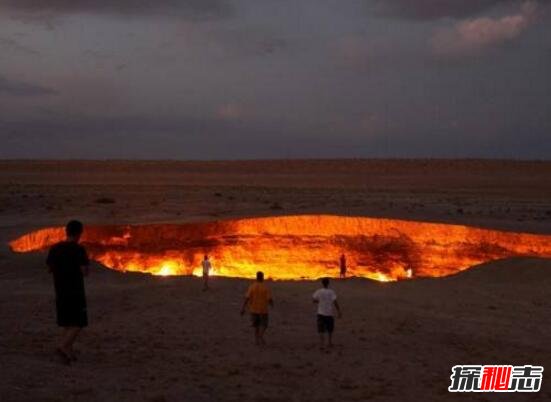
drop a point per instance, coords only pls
(63, 341)
(68, 337)
(330, 337)
(322, 341)
(261, 340)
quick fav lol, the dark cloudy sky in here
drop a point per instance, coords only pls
(227, 79)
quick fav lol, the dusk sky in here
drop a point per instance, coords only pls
(240, 79)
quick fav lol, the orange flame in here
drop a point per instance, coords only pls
(297, 247)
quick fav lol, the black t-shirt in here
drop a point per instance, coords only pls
(65, 260)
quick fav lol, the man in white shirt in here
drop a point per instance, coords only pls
(206, 270)
(326, 299)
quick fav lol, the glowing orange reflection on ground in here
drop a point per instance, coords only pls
(295, 247)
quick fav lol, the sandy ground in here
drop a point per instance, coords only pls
(162, 339)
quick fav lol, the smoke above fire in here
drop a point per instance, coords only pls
(296, 247)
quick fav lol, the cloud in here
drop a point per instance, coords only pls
(48, 9)
(19, 88)
(476, 34)
(434, 9)
(245, 40)
(11, 45)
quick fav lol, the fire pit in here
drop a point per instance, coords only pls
(297, 247)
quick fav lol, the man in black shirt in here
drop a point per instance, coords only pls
(68, 262)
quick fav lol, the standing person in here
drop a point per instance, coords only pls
(207, 266)
(257, 299)
(68, 262)
(326, 299)
(342, 264)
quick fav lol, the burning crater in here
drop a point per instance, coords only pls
(295, 247)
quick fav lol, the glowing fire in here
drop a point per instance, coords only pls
(295, 247)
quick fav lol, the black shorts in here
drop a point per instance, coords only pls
(259, 320)
(71, 312)
(326, 323)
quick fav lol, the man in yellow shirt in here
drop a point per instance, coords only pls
(258, 298)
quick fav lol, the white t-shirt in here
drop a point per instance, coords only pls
(326, 298)
(206, 267)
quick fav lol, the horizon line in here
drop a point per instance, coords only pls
(305, 159)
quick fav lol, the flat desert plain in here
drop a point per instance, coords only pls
(158, 339)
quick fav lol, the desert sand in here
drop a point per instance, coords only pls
(162, 339)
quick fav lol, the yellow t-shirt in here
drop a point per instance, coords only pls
(259, 296)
